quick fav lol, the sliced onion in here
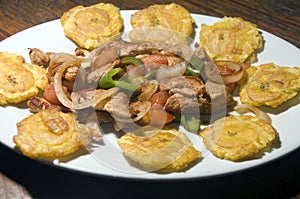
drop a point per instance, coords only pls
(258, 113)
(148, 90)
(234, 77)
(56, 60)
(144, 109)
(171, 71)
(61, 95)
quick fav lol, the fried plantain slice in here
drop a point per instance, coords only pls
(165, 16)
(232, 39)
(162, 150)
(51, 133)
(269, 84)
(238, 137)
(92, 26)
(19, 80)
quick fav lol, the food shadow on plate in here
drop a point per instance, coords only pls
(263, 44)
(81, 152)
(283, 107)
(20, 105)
(162, 171)
(194, 33)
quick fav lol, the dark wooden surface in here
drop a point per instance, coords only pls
(278, 179)
(281, 18)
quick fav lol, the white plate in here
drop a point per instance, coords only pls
(111, 163)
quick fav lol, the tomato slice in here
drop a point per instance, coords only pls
(159, 98)
(153, 62)
(224, 70)
(160, 116)
(50, 94)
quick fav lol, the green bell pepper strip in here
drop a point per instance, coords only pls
(196, 62)
(107, 81)
(150, 75)
(132, 60)
(191, 72)
(194, 67)
(190, 123)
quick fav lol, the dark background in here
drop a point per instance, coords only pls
(280, 17)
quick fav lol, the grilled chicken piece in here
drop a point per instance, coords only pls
(36, 104)
(39, 57)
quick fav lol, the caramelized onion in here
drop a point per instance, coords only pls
(171, 71)
(148, 90)
(56, 60)
(234, 73)
(61, 95)
(144, 109)
(258, 113)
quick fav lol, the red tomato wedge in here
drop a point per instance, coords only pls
(160, 116)
(50, 94)
(159, 98)
(225, 70)
(154, 61)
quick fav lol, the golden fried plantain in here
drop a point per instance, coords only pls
(92, 26)
(238, 137)
(269, 84)
(51, 133)
(166, 16)
(162, 150)
(232, 39)
(19, 80)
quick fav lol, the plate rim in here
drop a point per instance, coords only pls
(7, 40)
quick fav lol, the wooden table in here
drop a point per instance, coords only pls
(278, 179)
(278, 17)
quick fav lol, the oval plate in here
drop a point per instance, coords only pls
(106, 160)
